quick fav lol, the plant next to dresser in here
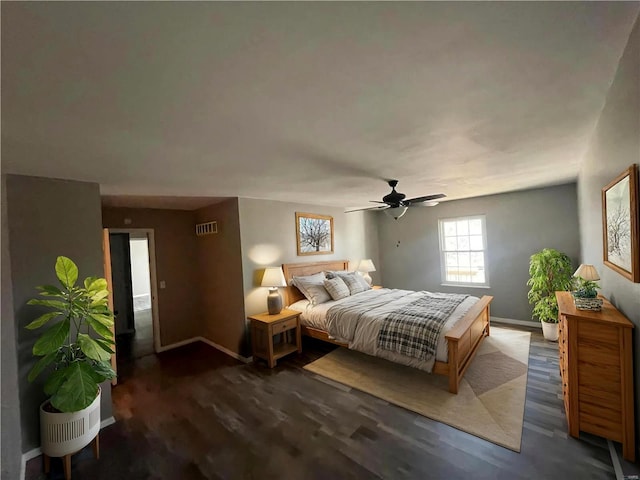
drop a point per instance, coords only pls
(549, 271)
(76, 349)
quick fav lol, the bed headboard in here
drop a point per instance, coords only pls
(292, 294)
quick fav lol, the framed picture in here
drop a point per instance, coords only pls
(620, 224)
(314, 234)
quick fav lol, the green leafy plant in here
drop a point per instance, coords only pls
(77, 362)
(549, 271)
(585, 288)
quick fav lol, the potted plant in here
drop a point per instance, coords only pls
(585, 293)
(549, 271)
(75, 352)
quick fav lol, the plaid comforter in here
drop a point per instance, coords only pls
(414, 329)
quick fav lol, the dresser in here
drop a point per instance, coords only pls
(597, 372)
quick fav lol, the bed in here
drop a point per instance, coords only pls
(462, 338)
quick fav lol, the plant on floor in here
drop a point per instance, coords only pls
(549, 271)
(78, 362)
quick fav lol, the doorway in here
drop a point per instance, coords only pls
(134, 293)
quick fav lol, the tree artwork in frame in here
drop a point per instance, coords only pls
(620, 224)
(314, 234)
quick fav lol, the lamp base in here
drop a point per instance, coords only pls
(274, 301)
(366, 277)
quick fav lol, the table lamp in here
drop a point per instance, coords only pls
(365, 267)
(587, 272)
(274, 278)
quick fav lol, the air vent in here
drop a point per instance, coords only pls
(208, 228)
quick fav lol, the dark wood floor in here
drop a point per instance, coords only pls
(195, 413)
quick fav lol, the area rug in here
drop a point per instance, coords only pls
(490, 400)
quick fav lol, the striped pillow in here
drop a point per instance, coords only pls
(336, 288)
(352, 282)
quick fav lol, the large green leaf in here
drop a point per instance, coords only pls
(41, 365)
(104, 370)
(99, 295)
(105, 344)
(92, 349)
(99, 328)
(50, 290)
(41, 320)
(104, 319)
(48, 303)
(67, 271)
(52, 339)
(93, 284)
(78, 390)
(54, 381)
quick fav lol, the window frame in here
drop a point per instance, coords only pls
(443, 252)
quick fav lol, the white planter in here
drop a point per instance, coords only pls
(65, 433)
(550, 331)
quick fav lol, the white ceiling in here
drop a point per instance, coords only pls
(306, 102)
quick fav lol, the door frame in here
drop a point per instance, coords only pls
(153, 278)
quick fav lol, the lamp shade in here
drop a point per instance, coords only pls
(273, 277)
(366, 265)
(587, 272)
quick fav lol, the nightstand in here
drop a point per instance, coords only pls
(265, 327)
(376, 287)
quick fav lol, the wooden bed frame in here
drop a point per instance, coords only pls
(463, 339)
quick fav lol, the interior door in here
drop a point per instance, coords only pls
(106, 255)
(122, 286)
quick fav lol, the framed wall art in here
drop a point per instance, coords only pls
(620, 224)
(314, 234)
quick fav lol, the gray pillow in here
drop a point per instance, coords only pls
(336, 288)
(350, 278)
(312, 287)
(364, 286)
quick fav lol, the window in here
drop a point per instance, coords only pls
(463, 254)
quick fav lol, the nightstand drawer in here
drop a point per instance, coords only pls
(284, 326)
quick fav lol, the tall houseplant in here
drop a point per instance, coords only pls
(549, 271)
(75, 352)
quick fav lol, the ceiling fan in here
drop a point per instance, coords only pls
(395, 204)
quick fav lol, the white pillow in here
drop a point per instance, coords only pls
(312, 287)
(336, 288)
(300, 305)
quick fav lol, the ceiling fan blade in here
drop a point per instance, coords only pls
(426, 198)
(368, 208)
(376, 201)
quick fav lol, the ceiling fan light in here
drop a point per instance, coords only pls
(396, 212)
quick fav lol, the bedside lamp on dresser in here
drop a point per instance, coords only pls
(597, 372)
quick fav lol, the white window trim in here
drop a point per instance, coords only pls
(443, 268)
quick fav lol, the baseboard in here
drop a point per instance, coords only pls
(181, 343)
(36, 452)
(226, 350)
(171, 346)
(511, 321)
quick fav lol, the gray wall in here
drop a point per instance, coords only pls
(518, 225)
(268, 238)
(614, 146)
(11, 432)
(47, 218)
